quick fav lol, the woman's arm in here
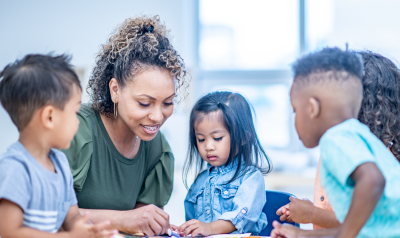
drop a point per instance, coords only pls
(148, 219)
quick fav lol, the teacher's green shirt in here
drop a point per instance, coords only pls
(105, 179)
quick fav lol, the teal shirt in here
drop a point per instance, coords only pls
(343, 148)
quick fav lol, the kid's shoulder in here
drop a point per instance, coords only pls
(13, 161)
(62, 159)
(199, 181)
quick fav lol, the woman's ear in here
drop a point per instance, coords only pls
(314, 107)
(114, 90)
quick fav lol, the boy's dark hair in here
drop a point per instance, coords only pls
(328, 59)
(238, 120)
(380, 108)
(33, 82)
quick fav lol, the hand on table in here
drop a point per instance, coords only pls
(298, 210)
(175, 229)
(83, 229)
(285, 231)
(149, 220)
(195, 227)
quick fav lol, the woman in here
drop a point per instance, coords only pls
(119, 159)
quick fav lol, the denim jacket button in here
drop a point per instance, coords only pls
(208, 211)
(243, 211)
(226, 192)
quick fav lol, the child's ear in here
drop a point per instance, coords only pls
(314, 107)
(114, 90)
(47, 117)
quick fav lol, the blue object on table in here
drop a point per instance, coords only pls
(275, 200)
(170, 233)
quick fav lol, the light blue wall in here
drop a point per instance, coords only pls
(78, 28)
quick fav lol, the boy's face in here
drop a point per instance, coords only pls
(213, 140)
(306, 125)
(66, 122)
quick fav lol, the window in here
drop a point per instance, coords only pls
(254, 34)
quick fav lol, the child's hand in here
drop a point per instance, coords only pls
(285, 230)
(298, 210)
(83, 229)
(284, 213)
(175, 229)
(195, 227)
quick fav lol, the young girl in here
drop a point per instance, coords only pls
(229, 195)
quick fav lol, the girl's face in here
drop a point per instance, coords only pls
(213, 139)
(146, 102)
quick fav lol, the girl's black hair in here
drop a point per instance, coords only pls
(380, 108)
(238, 120)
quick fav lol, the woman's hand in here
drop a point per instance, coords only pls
(149, 220)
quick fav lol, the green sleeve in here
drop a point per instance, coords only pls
(80, 152)
(157, 187)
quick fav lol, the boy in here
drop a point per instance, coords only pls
(359, 174)
(42, 95)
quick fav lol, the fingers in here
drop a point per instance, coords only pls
(162, 213)
(283, 217)
(106, 233)
(182, 227)
(282, 210)
(279, 211)
(291, 198)
(185, 227)
(154, 221)
(147, 230)
(101, 226)
(196, 232)
(173, 227)
(191, 229)
(159, 225)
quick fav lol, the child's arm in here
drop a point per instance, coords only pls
(369, 186)
(11, 225)
(196, 227)
(303, 211)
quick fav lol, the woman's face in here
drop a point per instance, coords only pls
(146, 102)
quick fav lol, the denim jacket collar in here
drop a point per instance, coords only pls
(224, 169)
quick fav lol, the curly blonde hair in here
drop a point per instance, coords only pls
(134, 46)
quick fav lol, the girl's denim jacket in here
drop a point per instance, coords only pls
(241, 201)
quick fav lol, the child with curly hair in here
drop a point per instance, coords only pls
(379, 111)
(358, 172)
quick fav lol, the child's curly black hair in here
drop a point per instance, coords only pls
(136, 45)
(380, 108)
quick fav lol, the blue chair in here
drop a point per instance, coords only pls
(275, 200)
